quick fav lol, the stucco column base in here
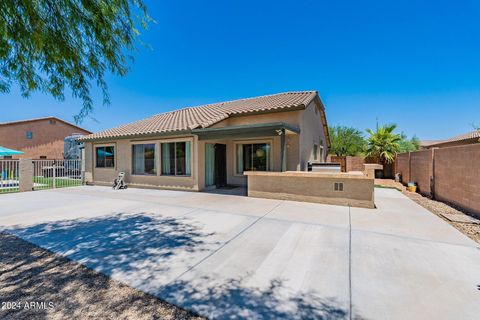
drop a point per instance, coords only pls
(25, 175)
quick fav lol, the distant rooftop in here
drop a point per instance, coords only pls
(474, 135)
(41, 119)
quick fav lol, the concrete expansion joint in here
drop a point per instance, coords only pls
(223, 245)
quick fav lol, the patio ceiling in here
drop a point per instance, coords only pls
(246, 131)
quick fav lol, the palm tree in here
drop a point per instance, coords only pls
(383, 144)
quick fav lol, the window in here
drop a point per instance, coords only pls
(52, 121)
(176, 158)
(253, 157)
(322, 156)
(315, 152)
(43, 157)
(7, 157)
(29, 135)
(143, 159)
(105, 157)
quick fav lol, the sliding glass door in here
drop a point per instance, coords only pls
(209, 164)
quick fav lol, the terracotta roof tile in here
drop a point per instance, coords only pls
(205, 115)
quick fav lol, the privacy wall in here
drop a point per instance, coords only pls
(348, 163)
(447, 174)
(421, 170)
(457, 176)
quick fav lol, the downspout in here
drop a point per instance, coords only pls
(283, 151)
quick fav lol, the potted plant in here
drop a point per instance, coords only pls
(412, 187)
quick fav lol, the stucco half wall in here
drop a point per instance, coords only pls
(357, 190)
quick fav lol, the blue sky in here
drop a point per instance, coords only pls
(415, 63)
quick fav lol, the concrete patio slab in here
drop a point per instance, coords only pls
(414, 279)
(311, 213)
(228, 256)
(288, 261)
(398, 215)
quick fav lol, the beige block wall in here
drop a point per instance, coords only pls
(313, 187)
(457, 172)
(421, 170)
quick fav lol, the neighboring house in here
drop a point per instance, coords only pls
(40, 138)
(461, 140)
(212, 145)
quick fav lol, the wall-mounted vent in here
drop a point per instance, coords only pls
(338, 186)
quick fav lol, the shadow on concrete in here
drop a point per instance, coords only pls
(140, 246)
(62, 289)
(229, 190)
(235, 300)
(121, 243)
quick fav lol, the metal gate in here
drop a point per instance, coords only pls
(50, 174)
(9, 176)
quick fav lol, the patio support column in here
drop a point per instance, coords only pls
(283, 151)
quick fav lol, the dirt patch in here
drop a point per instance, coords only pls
(439, 208)
(38, 284)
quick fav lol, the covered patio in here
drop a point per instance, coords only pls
(227, 152)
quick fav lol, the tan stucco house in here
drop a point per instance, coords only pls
(212, 145)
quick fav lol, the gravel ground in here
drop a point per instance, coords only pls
(437, 207)
(37, 284)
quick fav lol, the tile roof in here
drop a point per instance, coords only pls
(474, 135)
(206, 115)
(426, 143)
